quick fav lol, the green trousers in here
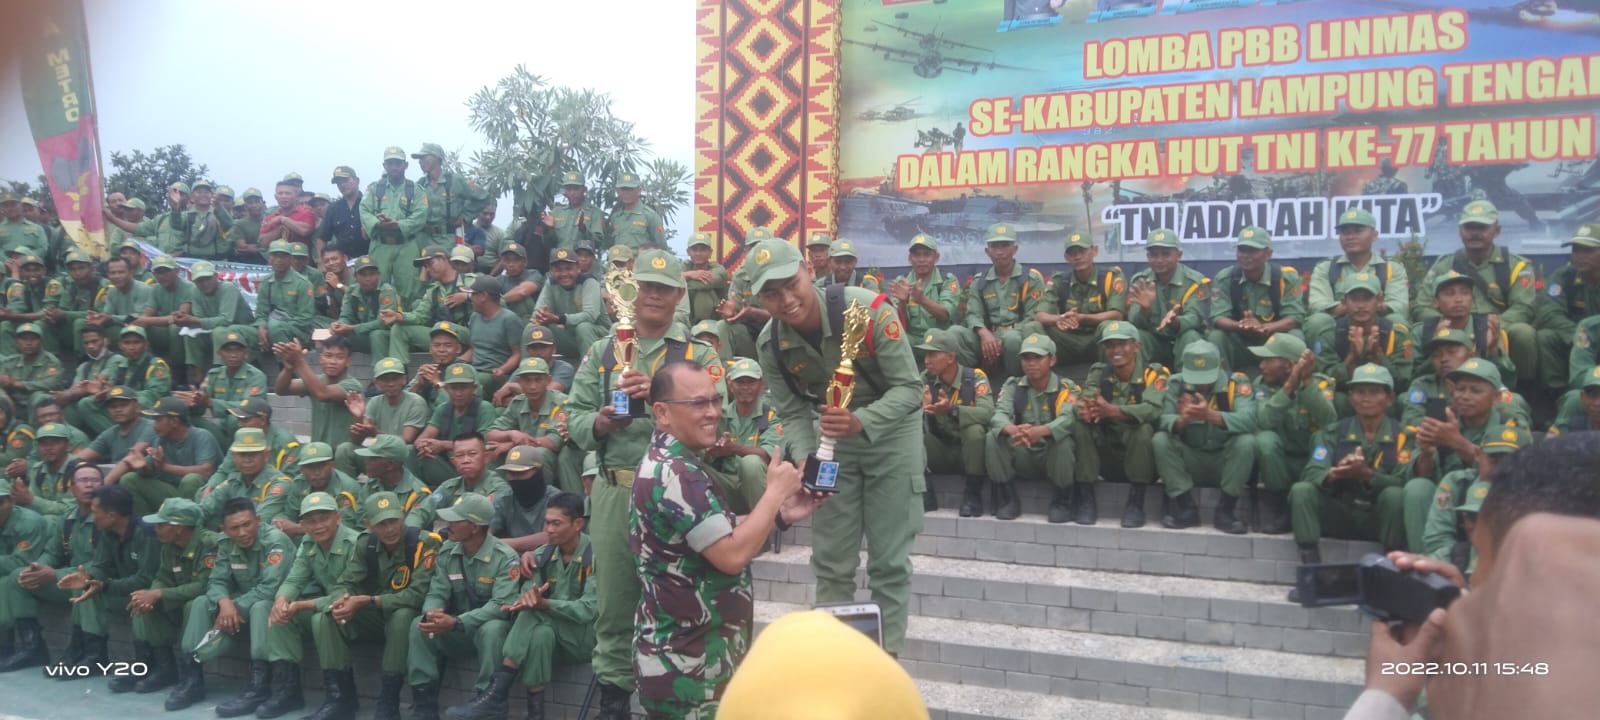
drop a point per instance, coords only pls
(165, 343)
(539, 640)
(282, 331)
(203, 615)
(403, 339)
(1279, 468)
(1182, 466)
(392, 626)
(1078, 346)
(88, 415)
(963, 454)
(742, 479)
(1315, 513)
(970, 351)
(573, 341)
(617, 581)
(20, 603)
(286, 642)
(375, 344)
(1053, 459)
(161, 626)
(487, 642)
(150, 492)
(394, 263)
(1235, 347)
(1121, 452)
(1418, 498)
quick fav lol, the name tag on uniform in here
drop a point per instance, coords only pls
(238, 566)
(177, 568)
(455, 576)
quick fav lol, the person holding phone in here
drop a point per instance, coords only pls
(1447, 349)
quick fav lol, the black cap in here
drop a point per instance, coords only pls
(486, 284)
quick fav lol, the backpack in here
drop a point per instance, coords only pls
(1274, 290)
(834, 296)
(1388, 455)
(1503, 274)
(1384, 275)
(980, 280)
(1226, 405)
(1019, 399)
(585, 563)
(1341, 334)
(1566, 280)
(1140, 382)
(1061, 282)
(1480, 331)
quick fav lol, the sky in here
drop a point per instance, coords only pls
(256, 90)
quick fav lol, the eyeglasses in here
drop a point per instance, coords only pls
(699, 403)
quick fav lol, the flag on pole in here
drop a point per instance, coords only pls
(58, 94)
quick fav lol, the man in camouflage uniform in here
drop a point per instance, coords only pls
(634, 224)
(1077, 302)
(1116, 423)
(1253, 299)
(998, 303)
(251, 562)
(1206, 433)
(393, 211)
(957, 405)
(1292, 403)
(1166, 300)
(1030, 433)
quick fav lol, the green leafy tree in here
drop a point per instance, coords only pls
(536, 132)
(146, 176)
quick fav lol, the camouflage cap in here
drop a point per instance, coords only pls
(1475, 495)
(522, 458)
(1480, 212)
(1356, 216)
(573, 179)
(1202, 363)
(744, 368)
(381, 506)
(385, 447)
(1512, 437)
(1255, 237)
(1161, 237)
(232, 337)
(429, 254)
(770, 260)
(249, 440)
(434, 149)
(1280, 345)
(168, 406)
(29, 328)
(182, 187)
(538, 335)
(627, 181)
(133, 330)
(660, 267)
(162, 262)
(1587, 235)
(937, 340)
(463, 253)
(202, 269)
(318, 502)
(393, 152)
(1365, 280)
(137, 204)
(223, 191)
(314, 453)
(816, 239)
(53, 431)
(562, 255)
(341, 172)
(299, 249)
(705, 327)
(292, 178)
(1000, 233)
(1038, 344)
(254, 406)
(1118, 330)
(1372, 374)
(280, 246)
(388, 366)
(514, 249)
(176, 511)
(365, 262)
(532, 366)
(460, 374)
(1592, 379)
(842, 248)
(1480, 369)
(700, 239)
(619, 254)
(924, 240)
(1081, 240)
(251, 193)
(470, 507)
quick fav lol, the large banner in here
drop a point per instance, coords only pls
(1116, 117)
(59, 98)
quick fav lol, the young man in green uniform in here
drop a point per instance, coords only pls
(570, 306)
(817, 246)
(126, 557)
(393, 211)
(283, 448)
(1253, 299)
(1206, 434)
(842, 268)
(1116, 424)
(225, 386)
(315, 473)
(252, 560)
(330, 414)
(1447, 350)
(79, 289)
(252, 478)
(749, 435)
(361, 317)
(1077, 302)
(469, 455)
(1292, 404)
(463, 613)
(447, 298)
(576, 221)
(620, 445)
(172, 295)
(465, 411)
(175, 464)
(446, 346)
(1362, 335)
(42, 485)
(957, 405)
(188, 553)
(451, 198)
(246, 232)
(386, 472)
(530, 419)
(32, 574)
(33, 373)
(878, 436)
(927, 296)
(27, 300)
(634, 224)
(16, 232)
(393, 411)
(1030, 433)
(1166, 300)
(218, 308)
(1453, 301)
(1357, 231)
(707, 278)
(122, 299)
(998, 303)
(519, 284)
(283, 302)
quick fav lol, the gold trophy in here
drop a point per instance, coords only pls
(623, 288)
(822, 471)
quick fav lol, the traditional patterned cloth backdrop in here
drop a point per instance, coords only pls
(766, 130)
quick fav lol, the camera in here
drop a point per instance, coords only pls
(1375, 586)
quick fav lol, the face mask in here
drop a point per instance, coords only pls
(527, 492)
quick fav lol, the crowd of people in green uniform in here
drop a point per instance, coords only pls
(479, 503)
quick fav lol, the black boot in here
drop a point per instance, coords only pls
(1084, 510)
(1274, 512)
(339, 690)
(1181, 512)
(94, 652)
(260, 687)
(1224, 518)
(1061, 503)
(930, 500)
(615, 703)
(1310, 555)
(74, 653)
(126, 683)
(535, 705)
(388, 707)
(191, 684)
(491, 703)
(972, 497)
(1006, 504)
(29, 649)
(163, 671)
(425, 702)
(286, 694)
(8, 642)
(1133, 512)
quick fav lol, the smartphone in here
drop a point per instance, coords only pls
(1436, 408)
(866, 617)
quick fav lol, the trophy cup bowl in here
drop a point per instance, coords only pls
(821, 470)
(624, 288)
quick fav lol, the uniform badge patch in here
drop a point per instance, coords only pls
(715, 371)
(274, 557)
(1320, 454)
(1418, 397)
(892, 330)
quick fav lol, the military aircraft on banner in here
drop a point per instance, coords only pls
(899, 112)
(928, 60)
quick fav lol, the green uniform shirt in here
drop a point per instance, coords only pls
(513, 520)
(71, 544)
(1514, 304)
(978, 410)
(1055, 407)
(1390, 454)
(640, 227)
(185, 571)
(119, 304)
(285, 299)
(999, 304)
(222, 308)
(623, 448)
(408, 210)
(316, 569)
(251, 575)
(108, 366)
(704, 296)
(473, 587)
(430, 308)
(450, 198)
(1496, 426)
(149, 376)
(1429, 387)
(941, 288)
(573, 597)
(266, 490)
(402, 576)
(330, 421)
(857, 279)
(228, 391)
(1323, 297)
(22, 297)
(199, 447)
(1139, 397)
(114, 444)
(327, 301)
(42, 373)
(520, 416)
(391, 418)
(247, 229)
(23, 236)
(578, 304)
(1233, 398)
(167, 301)
(1296, 417)
(51, 494)
(575, 224)
(1106, 289)
(76, 300)
(495, 339)
(126, 562)
(415, 500)
(1332, 346)
(344, 489)
(449, 423)
(23, 538)
(1187, 288)
(1439, 530)
(491, 486)
(524, 307)
(1256, 295)
(360, 309)
(1579, 299)
(760, 429)
(283, 452)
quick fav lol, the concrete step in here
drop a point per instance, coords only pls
(1110, 498)
(1237, 682)
(1201, 552)
(1205, 612)
(952, 701)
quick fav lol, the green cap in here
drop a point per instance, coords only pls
(202, 269)
(254, 406)
(659, 266)
(627, 180)
(1000, 233)
(572, 178)
(1480, 369)
(772, 260)
(29, 328)
(1480, 212)
(365, 262)
(1118, 330)
(249, 440)
(1585, 236)
(538, 335)
(176, 511)
(224, 191)
(514, 249)
(133, 330)
(1280, 345)
(1512, 437)
(53, 431)
(130, 244)
(704, 327)
(384, 447)
(842, 248)
(762, 232)
(1475, 495)
(342, 172)
(162, 262)
(1365, 280)
(280, 246)
(6, 197)
(470, 507)
(462, 253)
(182, 187)
(522, 458)
(562, 255)
(252, 193)
(1372, 374)
(31, 259)
(232, 337)
(168, 406)
(619, 254)
(700, 239)
(460, 374)
(1078, 239)
(816, 239)
(1255, 237)
(1451, 276)
(318, 502)
(134, 203)
(381, 506)
(1356, 216)
(1161, 237)
(584, 246)
(393, 152)
(299, 249)
(1202, 363)
(321, 197)
(1590, 380)
(940, 341)
(925, 240)
(533, 366)
(313, 453)
(78, 256)
(1038, 344)
(745, 368)
(433, 149)
(428, 254)
(292, 179)
(388, 366)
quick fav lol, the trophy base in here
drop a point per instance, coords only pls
(821, 476)
(626, 408)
